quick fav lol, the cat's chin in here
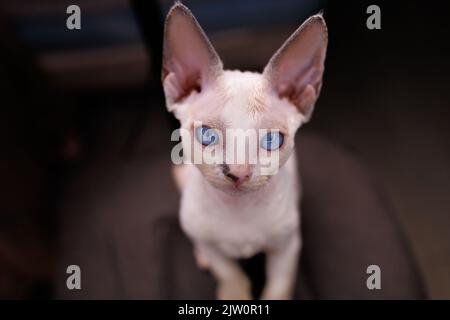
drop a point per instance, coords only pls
(237, 190)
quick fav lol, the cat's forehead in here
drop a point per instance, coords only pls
(246, 87)
(245, 97)
(249, 103)
(240, 100)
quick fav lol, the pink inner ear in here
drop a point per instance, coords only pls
(191, 83)
(300, 88)
(179, 87)
(304, 100)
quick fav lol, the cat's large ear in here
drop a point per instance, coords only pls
(295, 70)
(189, 60)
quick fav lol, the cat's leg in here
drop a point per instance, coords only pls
(201, 259)
(281, 269)
(232, 282)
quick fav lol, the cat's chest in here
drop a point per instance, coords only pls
(241, 228)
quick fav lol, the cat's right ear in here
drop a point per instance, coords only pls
(295, 71)
(189, 60)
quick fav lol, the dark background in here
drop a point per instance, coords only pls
(74, 101)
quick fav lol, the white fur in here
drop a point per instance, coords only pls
(226, 219)
(239, 226)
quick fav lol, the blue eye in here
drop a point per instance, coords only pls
(206, 135)
(272, 141)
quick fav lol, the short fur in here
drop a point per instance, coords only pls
(231, 210)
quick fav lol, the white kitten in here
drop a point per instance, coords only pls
(232, 210)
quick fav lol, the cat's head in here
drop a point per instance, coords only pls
(244, 121)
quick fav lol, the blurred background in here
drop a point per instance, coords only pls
(77, 99)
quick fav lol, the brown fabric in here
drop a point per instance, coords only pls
(120, 226)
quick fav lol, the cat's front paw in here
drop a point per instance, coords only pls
(234, 290)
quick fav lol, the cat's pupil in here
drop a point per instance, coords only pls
(272, 141)
(269, 141)
(209, 135)
(206, 135)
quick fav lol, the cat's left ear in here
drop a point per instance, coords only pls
(295, 70)
(190, 62)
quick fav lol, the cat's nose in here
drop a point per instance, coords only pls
(237, 173)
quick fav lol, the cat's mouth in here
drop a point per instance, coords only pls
(242, 187)
(237, 186)
(239, 189)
